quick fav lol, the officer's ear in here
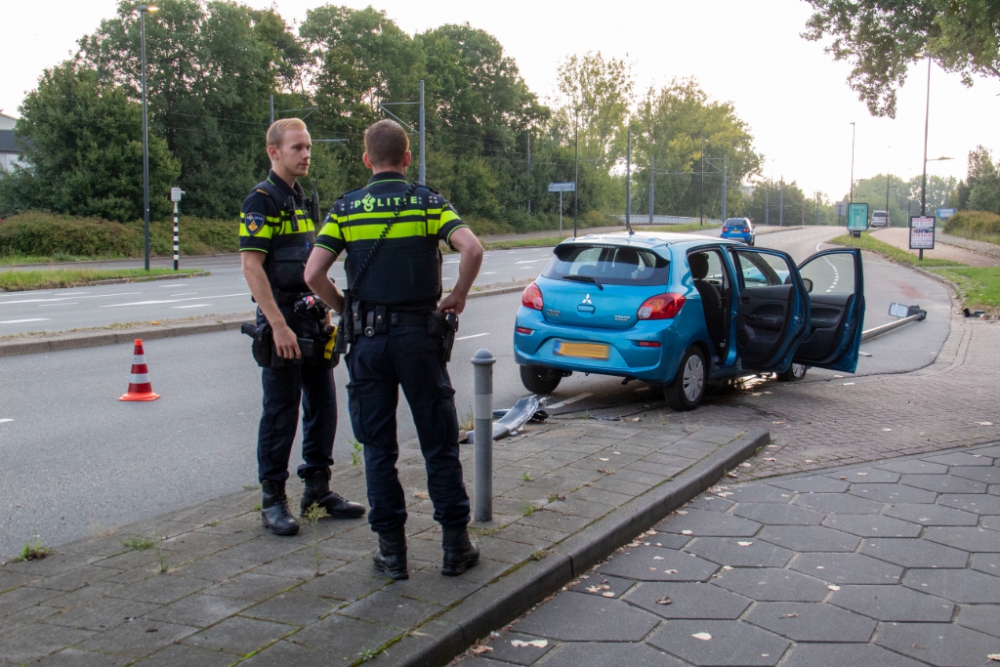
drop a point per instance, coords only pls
(367, 160)
(407, 158)
(273, 152)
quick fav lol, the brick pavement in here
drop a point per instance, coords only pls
(895, 563)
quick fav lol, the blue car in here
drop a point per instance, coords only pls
(680, 311)
(740, 229)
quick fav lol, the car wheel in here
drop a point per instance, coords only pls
(794, 373)
(688, 388)
(540, 380)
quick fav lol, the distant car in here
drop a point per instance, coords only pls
(680, 311)
(880, 218)
(739, 228)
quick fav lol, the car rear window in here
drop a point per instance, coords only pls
(611, 265)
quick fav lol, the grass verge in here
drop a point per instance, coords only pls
(979, 287)
(868, 242)
(16, 281)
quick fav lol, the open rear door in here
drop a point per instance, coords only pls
(836, 310)
(772, 312)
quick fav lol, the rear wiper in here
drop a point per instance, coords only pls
(585, 279)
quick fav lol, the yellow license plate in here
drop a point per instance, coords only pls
(581, 350)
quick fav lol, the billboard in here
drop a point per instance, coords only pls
(857, 217)
(921, 233)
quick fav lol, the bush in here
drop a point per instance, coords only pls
(978, 225)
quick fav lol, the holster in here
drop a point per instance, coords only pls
(446, 326)
(266, 354)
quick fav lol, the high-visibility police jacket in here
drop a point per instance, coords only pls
(275, 220)
(406, 272)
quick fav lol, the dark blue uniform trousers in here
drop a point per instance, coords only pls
(408, 357)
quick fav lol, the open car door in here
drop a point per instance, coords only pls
(836, 310)
(772, 311)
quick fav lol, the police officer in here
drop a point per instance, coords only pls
(276, 234)
(394, 295)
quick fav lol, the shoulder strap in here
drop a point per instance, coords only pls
(359, 276)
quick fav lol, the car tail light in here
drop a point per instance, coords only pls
(746, 231)
(532, 297)
(647, 343)
(661, 307)
(524, 330)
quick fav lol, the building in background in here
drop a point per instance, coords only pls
(9, 151)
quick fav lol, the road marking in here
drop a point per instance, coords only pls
(836, 275)
(184, 294)
(472, 336)
(578, 397)
(193, 305)
(488, 273)
(67, 298)
(531, 261)
(56, 305)
(4, 421)
(162, 301)
(30, 319)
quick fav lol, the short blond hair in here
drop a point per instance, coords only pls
(386, 143)
(276, 132)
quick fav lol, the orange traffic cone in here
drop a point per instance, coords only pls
(139, 387)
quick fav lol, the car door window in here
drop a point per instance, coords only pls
(831, 274)
(757, 269)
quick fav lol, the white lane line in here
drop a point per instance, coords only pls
(193, 305)
(472, 336)
(531, 261)
(4, 421)
(574, 399)
(836, 275)
(162, 301)
(30, 319)
(67, 298)
(56, 305)
(184, 294)
(488, 273)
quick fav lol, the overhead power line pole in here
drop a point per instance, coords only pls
(767, 204)
(781, 202)
(423, 135)
(701, 198)
(529, 172)
(628, 177)
(652, 171)
(725, 168)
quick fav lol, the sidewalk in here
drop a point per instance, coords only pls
(953, 248)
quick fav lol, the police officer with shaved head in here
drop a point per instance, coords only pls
(276, 234)
(399, 336)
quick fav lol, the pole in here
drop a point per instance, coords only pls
(177, 239)
(145, 138)
(482, 413)
(817, 209)
(560, 213)
(927, 120)
(853, 131)
(725, 168)
(529, 172)
(628, 177)
(781, 202)
(652, 171)
(423, 137)
(701, 203)
(576, 176)
(272, 109)
(767, 205)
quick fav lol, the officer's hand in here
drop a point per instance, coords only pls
(453, 303)
(286, 342)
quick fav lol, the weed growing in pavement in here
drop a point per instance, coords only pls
(258, 506)
(313, 515)
(526, 477)
(213, 523)
(485, 532)
(528, 509)
(250, 487)
(367, 654)
(554, 497)
(468, 422)
(136, 543)
(539, 555)
(356, 455)
(33, 550)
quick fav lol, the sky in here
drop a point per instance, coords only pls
(748, 52)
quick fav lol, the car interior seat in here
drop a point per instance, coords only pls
(711, 299)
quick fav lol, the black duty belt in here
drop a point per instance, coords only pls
(407, 319)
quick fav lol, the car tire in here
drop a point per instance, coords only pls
(539, 380)
(793, 373)
(688, 388)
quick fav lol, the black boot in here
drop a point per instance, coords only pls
(318, 492)
(390, 559)
(460, 553)
(274, 513)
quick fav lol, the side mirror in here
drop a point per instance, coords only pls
(809, 284)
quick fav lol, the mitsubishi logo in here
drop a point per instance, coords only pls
(586, 301)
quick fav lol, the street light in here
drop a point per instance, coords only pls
(576, 175)
(853, 132)
(142, 9)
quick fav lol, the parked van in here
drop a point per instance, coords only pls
(880, 218)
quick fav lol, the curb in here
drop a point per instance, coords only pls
(444, 637)
(75, 341)
(121, 281)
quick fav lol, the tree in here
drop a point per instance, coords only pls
(83, 149)
(981, 189)
(882, 38)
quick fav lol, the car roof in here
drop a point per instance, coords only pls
(646, 239)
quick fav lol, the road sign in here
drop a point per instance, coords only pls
(840, 209)
(945, 213)
(921, 233)
(857, 217)
(562, 187)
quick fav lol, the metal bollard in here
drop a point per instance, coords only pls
(482, 412)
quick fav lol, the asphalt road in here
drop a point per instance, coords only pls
(75, 461)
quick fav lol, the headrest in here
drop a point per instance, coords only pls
(699, 265)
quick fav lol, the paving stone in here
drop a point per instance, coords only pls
(75, 658)
(668, 541)
(343, 637)
(293, 608)
(847, 568)
(987, 475)
(960, 459)
(962, 586)
(946, 483)
(850, 655)
(816, 484)
(391, 610)
(594, 654)
(732, 644)
(991, 522)
(537, 538)
(264, 548)
(24, 597)
(894, 494)
(505, 550)
(988, 563)
(759, 493)
(616, 586)
(942, 644)
(932, 515)
(37, 640)
(982, 617)
(838, 503)
(162, 589)
(640, 564)
(688, 601)
(774, 514)
(867, 475)
(809, 538)
(543, 518)
(76, 578)
(716, 524)
(806, 622)
(85, 595)
(199, 610)
(911, 552)
(239, 635)
(342, 586)
(57, 563)
(893, 603)
(101, 614)
(430, 586)
(524, 655)
(214, 568)
(710, 503)
(967, 538)
(137, 638)
(574, 617)
(976, 503)
(251, 586)
(188, 656)
(727, 551)
(772, 584)
(914, 467)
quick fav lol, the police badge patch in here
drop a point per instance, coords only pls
(254, 222)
